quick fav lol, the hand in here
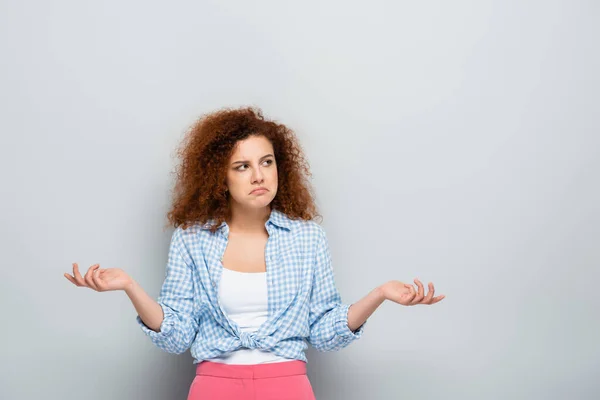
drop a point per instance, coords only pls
(101, 280)
(405, 294)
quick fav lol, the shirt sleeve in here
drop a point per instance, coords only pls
(328, 316)
(180, 324)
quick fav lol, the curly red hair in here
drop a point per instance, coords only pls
(199, 193)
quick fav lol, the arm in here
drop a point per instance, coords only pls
(396, 291)
(359, 312)
(328, 316)
(149, 311)
(335, 325)
(171, 322)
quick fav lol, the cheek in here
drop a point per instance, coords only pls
(274, 174)
(233, 182)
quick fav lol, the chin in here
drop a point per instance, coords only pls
(260, 202)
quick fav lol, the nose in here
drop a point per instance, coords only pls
(257, 176)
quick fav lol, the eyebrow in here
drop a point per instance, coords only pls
(246, 161)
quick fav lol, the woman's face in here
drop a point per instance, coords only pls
(252, 166)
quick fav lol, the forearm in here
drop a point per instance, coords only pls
(147, 308)
(359, 312)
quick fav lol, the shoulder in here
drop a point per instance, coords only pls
(193, 236)
(308, 226)
(181, 233)
(309, 231)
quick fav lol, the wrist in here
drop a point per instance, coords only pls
(130, 287)
(380, 293)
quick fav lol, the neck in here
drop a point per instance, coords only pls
(244, 220)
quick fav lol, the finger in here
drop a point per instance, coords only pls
(77, 275)
(97, 280)
(437, 299)
(88, 276)
(427, 299)
(71, 279)
(420, 293)
(412, 292)
(421, 288)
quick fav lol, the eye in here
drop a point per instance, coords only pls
(269, 162)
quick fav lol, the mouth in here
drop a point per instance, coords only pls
(259, 190)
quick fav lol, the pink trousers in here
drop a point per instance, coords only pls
(276, 381)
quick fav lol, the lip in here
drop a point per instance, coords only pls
(259, 190)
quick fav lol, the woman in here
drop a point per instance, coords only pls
(249, 280)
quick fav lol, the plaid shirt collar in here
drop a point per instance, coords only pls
(276, 218)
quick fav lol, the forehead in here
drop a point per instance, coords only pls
(254, 146)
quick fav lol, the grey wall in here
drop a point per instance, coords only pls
(457, 142)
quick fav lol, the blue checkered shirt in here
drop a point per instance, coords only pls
(304, 305)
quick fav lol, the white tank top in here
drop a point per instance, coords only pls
(244, 299)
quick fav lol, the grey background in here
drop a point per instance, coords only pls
(457, 142)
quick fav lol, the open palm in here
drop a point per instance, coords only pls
(405, 294)
(100, 279)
